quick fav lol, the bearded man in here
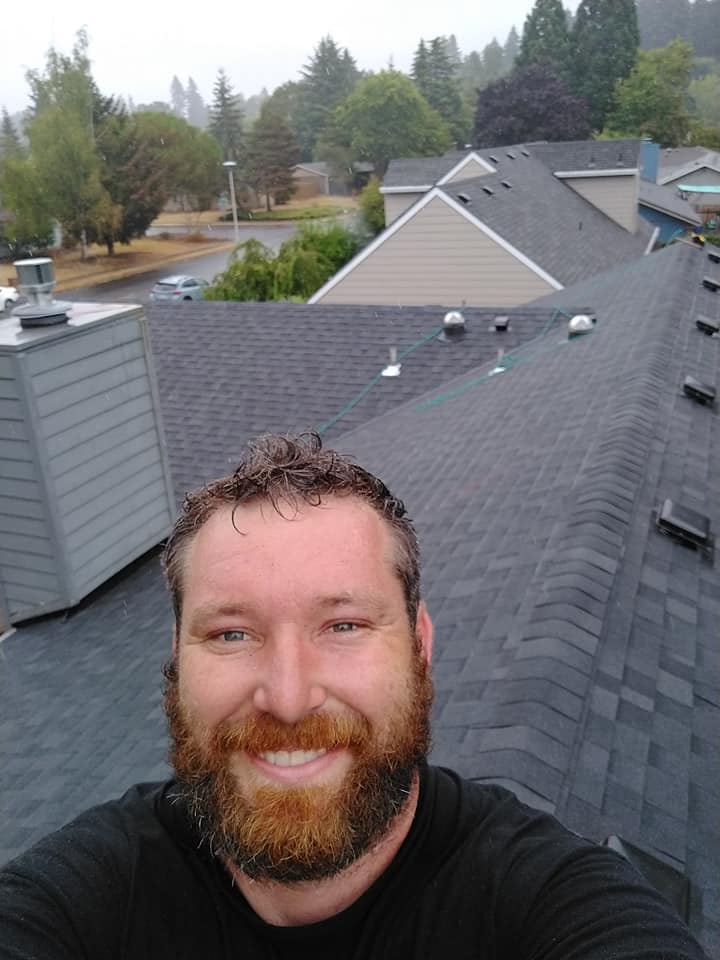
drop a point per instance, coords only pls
(304, 819)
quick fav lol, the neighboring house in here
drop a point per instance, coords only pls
(506, 236)
(311, 180)
(318, 179)
(696, 168)
(695, 165)
(576, 652)
(664, 208)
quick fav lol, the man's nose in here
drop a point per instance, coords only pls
(289, 685)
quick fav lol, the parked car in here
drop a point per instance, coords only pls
(178, 288)
(8, 296)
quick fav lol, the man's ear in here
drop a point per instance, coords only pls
(424, 630)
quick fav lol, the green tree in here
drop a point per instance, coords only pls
(28, 220)
(704, 96)
(186, 161)
(272, 152)
(653, 100)
(329, 76)
(545, 36)
(226, 118)
(385, 117)
(302, 265)
(420, 71)
(604, 42)
(372, 206)
(533, 103)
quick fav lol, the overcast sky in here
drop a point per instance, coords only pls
(136, 47)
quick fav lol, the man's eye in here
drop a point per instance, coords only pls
(233, 636)
(345, 627)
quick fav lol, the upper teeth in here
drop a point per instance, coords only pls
(291, 758)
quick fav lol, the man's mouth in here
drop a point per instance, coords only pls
(291, 758)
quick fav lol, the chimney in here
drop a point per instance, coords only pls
(649, 160)
(85, 481)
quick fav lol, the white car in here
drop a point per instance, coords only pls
(8, 296)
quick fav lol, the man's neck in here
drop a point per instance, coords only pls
(295, 904)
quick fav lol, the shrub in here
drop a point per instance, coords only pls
(372, 206)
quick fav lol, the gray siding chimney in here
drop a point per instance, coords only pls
(84, 481)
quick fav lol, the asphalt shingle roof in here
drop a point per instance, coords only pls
(577, 652)
(667, 200)
(683, 160)
(215, 362)
(566, 155)
(547, 221)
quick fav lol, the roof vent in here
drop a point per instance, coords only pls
(715, 257)
(464, 197)
(688, 527)
(506, 184)
(711, 284)
(580, 324)
(707, 325)
(666, 879)
(512, 155)
(700, 392)
(525, 153)
(393, 368)
(453, 327)
(36, 279)
(501, 324)
(493, 159)
(489, 191)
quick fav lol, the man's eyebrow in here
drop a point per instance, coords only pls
(331, 601)
(208, 611)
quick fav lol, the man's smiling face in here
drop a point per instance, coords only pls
(300, 709)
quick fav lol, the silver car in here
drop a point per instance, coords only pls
(178, 288)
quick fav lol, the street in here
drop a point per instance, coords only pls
(137, 289)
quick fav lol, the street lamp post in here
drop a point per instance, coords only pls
(231, 164)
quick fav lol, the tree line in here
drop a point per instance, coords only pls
(104, 168)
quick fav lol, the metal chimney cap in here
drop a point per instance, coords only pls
(36, 280)
(453, 319)
(580, 324)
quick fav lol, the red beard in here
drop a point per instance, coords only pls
(289, 834)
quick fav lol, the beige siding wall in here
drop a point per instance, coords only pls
(617, 197)
(470, 170)
(398, 203)
(439, 257)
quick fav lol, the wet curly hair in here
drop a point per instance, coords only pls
(288, 471)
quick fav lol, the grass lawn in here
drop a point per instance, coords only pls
(312, 208)
(145, 253)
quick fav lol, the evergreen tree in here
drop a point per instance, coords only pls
(226, 119)
(705, 28)
(661, 21)
(545, 36)
(177, 97)
(434, 77)
(454, 56)
(9, 140)
(420, 71)
(327, 79)
(272, 152)
(472, 77)
(511, 49)
(493, 61)
(604, 44)
(196, 111)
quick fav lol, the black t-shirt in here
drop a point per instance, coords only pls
(479, 876)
